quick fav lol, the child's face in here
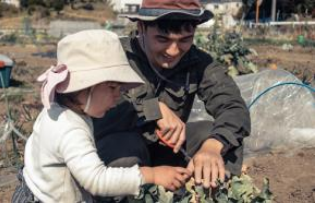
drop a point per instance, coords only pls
(104, 96)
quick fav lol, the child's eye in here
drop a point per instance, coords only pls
(113, 86)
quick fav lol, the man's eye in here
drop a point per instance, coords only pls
(162, 39)
(187, 40)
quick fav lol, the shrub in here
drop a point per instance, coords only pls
(8, 9)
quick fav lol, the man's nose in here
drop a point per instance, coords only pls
(173, 50)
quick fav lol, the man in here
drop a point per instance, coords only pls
(174, 71)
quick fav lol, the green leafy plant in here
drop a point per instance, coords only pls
(237, 190)
(228, 49)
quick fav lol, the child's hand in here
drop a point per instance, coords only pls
(169, 177)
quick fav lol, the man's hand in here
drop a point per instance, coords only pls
(208, 164)
(171, 127)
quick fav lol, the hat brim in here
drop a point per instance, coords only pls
(78, 80)
(202, 17)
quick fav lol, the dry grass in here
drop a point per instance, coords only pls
(101, 13)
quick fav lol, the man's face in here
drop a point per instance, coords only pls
(165, 50)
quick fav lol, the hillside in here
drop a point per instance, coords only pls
(101, 13)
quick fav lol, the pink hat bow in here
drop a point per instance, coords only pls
(51, 78)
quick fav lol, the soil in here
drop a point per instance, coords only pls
(291, 175)
(300, 61)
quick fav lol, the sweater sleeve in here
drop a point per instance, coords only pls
(79, 152)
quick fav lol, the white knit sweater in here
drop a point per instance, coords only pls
(60, 155)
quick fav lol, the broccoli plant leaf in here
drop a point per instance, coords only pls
(266, 194)
(199, 192)
(232, 71)
(242, 188)
(239, 189)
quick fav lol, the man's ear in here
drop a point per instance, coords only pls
(141, 31)
(140, 27)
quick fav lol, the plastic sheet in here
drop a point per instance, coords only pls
(282, 111)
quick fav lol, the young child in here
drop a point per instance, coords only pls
(61, 162)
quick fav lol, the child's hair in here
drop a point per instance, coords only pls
(70, 100)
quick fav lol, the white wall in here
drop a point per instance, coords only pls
(13, 2)
(120, 5)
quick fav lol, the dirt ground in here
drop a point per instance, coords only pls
(292, 175)
(299, 61)
(292, 178)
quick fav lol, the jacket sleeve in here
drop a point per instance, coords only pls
(223, 101)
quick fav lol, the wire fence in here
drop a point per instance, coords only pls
(302, 32)
(27, 32)
(296, 33)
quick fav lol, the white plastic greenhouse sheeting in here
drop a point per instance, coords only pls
(283, 117)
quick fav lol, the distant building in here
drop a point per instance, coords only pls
(16, 3)
(231, 7)
(126, 6)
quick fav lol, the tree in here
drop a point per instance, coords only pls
(305, 6)
(58, 5)
(296, 6)
(24, 3)
(247, 5)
